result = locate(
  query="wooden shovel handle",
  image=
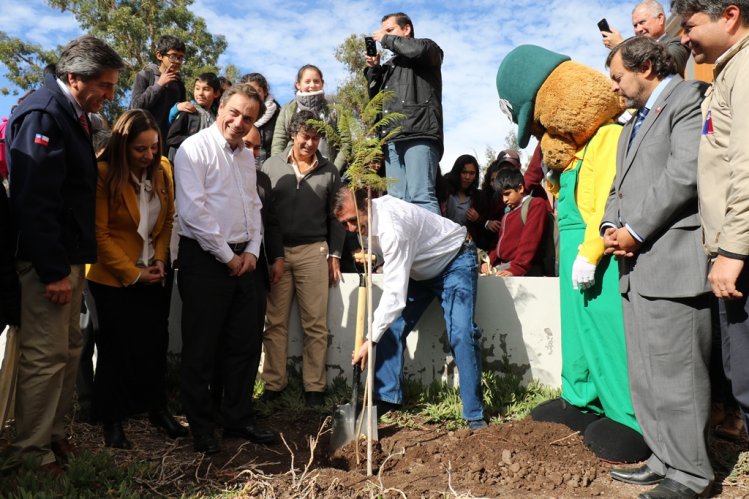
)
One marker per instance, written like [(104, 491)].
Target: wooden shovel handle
[(360, 312)]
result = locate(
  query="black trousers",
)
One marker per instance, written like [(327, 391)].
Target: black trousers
[(220, 339), (131, 342), (262, 282)]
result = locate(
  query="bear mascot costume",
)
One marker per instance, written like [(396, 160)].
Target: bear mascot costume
[(572, 110)]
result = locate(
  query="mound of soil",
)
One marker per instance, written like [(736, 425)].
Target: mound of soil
[(517, 459)]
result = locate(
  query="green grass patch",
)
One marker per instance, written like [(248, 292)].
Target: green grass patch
[(88, 476), (505, 397)]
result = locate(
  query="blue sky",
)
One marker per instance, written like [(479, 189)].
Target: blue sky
[(276, 38)]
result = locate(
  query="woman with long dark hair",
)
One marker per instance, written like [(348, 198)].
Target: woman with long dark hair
[(134, 213)]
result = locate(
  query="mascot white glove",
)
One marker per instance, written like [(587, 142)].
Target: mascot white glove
[(583, 273)]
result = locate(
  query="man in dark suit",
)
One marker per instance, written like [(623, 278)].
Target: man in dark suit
[(651, 224), (52, 198)]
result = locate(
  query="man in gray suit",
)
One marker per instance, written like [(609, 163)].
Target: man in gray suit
[(651, 224)]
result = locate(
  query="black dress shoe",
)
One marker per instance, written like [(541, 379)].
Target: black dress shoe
[(669, 489), (314, 399), (114, 436), (269, 396), (636, 476), (205, 442), (252, 433), (162, 419)]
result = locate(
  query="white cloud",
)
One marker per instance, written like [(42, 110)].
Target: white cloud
[(34, 22)]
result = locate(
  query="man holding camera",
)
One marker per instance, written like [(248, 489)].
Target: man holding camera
[(414, 74)]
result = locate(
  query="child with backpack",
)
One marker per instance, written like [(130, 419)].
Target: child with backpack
[(205, 92), (521, 249)]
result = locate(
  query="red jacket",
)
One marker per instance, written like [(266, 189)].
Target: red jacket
[(518, 242)]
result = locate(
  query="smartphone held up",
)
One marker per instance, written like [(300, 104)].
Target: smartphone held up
[(603, 26), (370, 45)]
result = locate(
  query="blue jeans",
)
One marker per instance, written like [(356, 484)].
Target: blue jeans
[(456, 289), (414, 164)]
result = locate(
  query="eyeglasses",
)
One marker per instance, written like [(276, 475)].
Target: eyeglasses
[(176, 58)]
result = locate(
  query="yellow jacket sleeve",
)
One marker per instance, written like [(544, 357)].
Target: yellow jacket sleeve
[(596, 175)]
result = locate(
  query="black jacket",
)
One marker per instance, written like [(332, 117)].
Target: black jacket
[(266, 135), (53, 183), (414, 74), (185, 125), (272, 245), (155, 98)]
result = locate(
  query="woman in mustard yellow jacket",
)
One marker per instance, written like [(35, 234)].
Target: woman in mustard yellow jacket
[(134, 214)]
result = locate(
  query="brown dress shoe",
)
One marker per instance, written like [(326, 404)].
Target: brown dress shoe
[(52, 469), (64, 450)]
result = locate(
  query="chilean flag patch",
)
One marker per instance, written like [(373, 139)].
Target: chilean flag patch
[(707, 127), (41, 139)]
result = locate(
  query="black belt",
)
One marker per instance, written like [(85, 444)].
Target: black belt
[(238, 248)]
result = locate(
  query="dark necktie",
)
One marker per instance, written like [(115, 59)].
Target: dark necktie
[(641, 115), (84, 123)]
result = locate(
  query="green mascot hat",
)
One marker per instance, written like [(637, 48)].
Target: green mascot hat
[(520, 76)]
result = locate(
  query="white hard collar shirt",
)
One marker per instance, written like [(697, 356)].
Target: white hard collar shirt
[(414, 243), (217, 199)]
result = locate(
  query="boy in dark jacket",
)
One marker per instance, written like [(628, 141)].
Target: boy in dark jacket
[(206, 91), (518, 249), (158, 87)]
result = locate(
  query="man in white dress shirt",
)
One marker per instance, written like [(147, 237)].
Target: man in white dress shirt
[(220, 235), (426, 256)]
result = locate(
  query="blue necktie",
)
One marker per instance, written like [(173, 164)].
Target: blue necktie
[(641, 115)]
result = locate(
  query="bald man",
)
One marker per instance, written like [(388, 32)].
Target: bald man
[(649, 19)]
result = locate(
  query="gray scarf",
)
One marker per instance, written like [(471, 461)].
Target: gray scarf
[(312, 101)]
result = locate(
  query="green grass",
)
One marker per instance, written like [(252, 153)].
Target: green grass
[(88, 476), (291, 401), (505, 397)]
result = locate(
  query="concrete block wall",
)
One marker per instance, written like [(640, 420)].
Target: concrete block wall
[(519, 318)]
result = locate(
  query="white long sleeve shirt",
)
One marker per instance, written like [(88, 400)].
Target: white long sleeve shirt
[(217, 199), (414, 243)]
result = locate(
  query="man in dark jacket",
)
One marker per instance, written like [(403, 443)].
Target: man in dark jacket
[(159, 87), (414, 75), (52, 199), (304, 183)]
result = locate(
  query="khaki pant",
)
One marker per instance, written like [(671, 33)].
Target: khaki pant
[(306, 274), (50, 345)]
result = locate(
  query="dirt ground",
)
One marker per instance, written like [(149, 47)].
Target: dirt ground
[(514, 459)]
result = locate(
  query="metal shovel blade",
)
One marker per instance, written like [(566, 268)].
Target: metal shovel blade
[(345, 424), (345, 416)]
